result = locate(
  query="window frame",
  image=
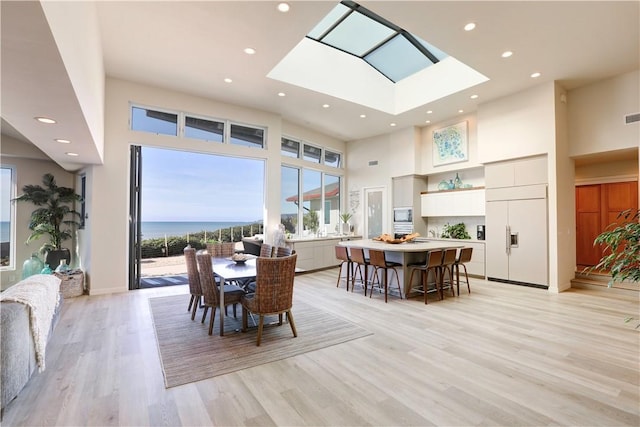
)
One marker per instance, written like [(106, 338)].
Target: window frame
[(225, 126), (12, 217), (264, 130), (179, 119)]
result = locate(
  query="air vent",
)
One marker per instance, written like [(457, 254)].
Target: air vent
[(373, 162), (632, 118)]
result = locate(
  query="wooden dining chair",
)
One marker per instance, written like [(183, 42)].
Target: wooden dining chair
[(195, 288), (378, 261), (342, 255), (361, 262), (433, 264), (463, 257), (211, 291), (448, 260), (274, 292)]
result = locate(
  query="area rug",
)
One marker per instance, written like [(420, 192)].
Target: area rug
[(189, 354)]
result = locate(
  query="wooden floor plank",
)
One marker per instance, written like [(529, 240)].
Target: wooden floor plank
[(502, 355)]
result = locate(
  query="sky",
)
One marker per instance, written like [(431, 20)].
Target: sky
[(184, 186), (5, 190)]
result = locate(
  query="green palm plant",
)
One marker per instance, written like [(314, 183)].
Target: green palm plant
[(54, 216)]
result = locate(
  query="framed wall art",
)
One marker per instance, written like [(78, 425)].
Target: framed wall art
[(450, 144)]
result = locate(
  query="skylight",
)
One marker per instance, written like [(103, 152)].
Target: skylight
[(355, 55), (388, 48)]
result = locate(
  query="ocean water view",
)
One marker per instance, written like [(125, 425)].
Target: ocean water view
[(5, 231), (158, 229)]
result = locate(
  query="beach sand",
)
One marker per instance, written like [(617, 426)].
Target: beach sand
[(163, 266)]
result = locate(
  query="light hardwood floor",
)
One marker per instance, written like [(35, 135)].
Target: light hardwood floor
[(503, 355)]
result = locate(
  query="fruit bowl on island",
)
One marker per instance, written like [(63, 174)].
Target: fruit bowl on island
[(388, 238)]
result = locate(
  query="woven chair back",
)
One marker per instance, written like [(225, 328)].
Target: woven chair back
[(228, 249), (266, 250), (274, 284), (192, 271), (214, 249), (282, 251), (207, 279), (341, 253)]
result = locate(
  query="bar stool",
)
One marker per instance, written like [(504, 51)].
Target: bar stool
[(433, 263), (343, 255), (463, 257), (379, 262), (360, 261), (448, 259)]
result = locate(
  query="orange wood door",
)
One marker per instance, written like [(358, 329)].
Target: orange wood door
[(597, 208), (588, 223)]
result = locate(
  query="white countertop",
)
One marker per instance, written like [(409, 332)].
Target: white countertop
[(316, 239), (403, 247)]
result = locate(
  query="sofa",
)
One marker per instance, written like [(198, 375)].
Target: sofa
[(29, 312)]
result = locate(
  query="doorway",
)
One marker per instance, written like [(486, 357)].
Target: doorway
[(598, 207), (375, 209), (180, 198)]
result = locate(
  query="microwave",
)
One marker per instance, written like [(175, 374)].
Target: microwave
[(403, 215)]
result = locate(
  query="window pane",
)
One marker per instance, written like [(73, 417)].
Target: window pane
[(207, 130), (312, 201), (7, 248), (326, 23), (358, 34), (290, 148), (247, 136), (154, 121), (83, 203), (331, 158), (398, 59), (289, 196), (332, 203), (312, 154)]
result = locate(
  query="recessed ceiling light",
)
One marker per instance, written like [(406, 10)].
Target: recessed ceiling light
[(460, 111), (283, 7), (72, 154), (429, 112), (228, 80), (362, 116), (46, 120), (249, 51), (428, 121), (470, 26), (392, 124), (282, 94), (507, 54), (474, 96), (535, 75), (325, 105), (63, 141)]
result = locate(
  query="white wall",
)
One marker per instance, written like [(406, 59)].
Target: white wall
[(518, 125), (31, 164), (82, 56), (596, 115), (109, 182), (426, 138)]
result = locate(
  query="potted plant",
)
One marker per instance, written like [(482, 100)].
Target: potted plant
[(622, 250), (345, 217), (54, 217), (456, 231)]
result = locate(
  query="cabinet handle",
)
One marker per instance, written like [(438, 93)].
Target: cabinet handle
[(508, 240)]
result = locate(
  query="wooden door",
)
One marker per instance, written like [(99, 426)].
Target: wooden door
[(597, 208)]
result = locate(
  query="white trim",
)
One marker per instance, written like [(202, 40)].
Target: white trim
[(12, 218), (606, 180)]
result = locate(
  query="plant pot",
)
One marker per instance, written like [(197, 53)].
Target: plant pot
[(53, 257), (346, 228)]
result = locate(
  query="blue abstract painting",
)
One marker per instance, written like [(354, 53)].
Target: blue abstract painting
[(450, 144)]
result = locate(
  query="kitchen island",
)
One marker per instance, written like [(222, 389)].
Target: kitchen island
[(403, 253)]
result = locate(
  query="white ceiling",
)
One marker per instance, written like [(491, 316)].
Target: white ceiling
[(192, 46)]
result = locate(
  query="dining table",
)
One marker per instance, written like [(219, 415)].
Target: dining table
[(404, 253), (229, 270)]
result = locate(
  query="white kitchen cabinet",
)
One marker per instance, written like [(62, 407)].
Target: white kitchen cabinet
[(315, 254), (521, 172), (453, 203)]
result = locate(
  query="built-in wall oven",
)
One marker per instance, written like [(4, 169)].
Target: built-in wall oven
[(402, 221)]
